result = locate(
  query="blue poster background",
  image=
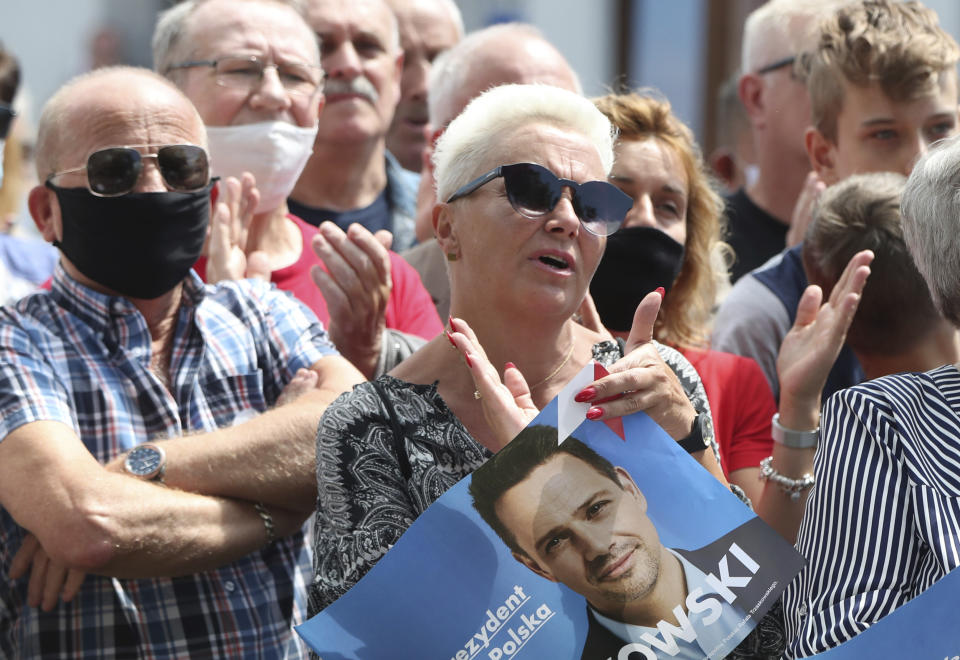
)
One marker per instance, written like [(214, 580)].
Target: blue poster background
[(433, 590)]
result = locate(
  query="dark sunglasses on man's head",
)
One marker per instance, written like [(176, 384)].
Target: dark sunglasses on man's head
[(114, 171), (6, 117), (534, 191)]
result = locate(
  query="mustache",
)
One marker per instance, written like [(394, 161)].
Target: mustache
[(360, 85)]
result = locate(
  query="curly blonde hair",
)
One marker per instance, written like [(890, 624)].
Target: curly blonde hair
[(685, 316), (898, 45)]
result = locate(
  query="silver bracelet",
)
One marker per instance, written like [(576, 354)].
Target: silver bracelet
[(791, 487), (267, 522), (791, 438)]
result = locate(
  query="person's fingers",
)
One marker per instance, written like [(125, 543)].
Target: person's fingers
[(517, 385), (384, 237), (359, 256), (461, 326), (332, 293), (339, 270), (808, 306), (641, 332), (369, 246), (852, 278), (24, 558), (38, 573), (53, 585), (230, 196), (72, 585)]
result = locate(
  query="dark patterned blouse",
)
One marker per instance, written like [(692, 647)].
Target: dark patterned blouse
[(389, 449)]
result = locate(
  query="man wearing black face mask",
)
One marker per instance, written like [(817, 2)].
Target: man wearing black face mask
[(136, 436)]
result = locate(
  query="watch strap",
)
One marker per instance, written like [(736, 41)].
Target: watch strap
[(699, 438)]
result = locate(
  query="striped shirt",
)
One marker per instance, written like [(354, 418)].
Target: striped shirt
[(83, 358), (883, 522)]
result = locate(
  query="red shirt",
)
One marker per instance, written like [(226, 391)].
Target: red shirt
[(741, 403), (410, 308)]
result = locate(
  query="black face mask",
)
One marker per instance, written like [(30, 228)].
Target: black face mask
[(140, 245), (637, 261)]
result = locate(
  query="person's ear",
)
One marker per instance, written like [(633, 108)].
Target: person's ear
[(44, 209), (750, 91), (533, 566), (822, 153), (445, 232), (630, 486)]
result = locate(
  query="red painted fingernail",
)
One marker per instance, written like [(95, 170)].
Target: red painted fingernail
[(509, 365), (586, 394), (467, 358), (450, 337), (661, 291), (452, 326), (595, 413)]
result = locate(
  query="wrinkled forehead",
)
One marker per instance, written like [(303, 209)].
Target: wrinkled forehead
[(254, 27), (335, 19), (135, 115)]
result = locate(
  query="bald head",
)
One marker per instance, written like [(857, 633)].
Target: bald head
[(112, 106), (497, 55)]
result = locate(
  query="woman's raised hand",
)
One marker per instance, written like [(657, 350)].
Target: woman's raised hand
[(641, 380), (811, 347), (507, 404)]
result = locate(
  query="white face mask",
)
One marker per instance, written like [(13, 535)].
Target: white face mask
[(275, 152)]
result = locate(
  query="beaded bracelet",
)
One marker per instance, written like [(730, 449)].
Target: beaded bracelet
[(267, 522), (791, 487)]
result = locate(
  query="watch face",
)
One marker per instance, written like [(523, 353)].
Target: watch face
[(144, 461)]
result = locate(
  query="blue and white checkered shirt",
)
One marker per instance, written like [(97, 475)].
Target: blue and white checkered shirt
[(83, 358)]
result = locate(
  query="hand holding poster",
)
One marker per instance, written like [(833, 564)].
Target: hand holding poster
[(612, 543)]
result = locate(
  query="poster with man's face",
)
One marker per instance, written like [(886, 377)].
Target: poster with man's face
[(607, 542)]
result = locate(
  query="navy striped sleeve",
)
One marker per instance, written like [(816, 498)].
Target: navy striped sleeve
[(883, 522)]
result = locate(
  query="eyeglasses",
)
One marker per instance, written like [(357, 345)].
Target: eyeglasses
[(6, 117), (246, 73), (114, 171), (534, 191), (778, 64)]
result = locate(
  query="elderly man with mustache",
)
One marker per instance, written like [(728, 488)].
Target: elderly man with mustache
[(351, 178)]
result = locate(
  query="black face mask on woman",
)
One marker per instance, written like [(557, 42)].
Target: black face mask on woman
[(636, 261), (140, 245)]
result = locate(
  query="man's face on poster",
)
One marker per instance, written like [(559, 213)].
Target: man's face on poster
[(580, 528)]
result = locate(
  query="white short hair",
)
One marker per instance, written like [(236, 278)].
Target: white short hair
[(451, 68), (780, 28), (477, 131), (171, 27), (931, 224)]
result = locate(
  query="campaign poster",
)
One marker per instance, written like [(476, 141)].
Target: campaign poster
[(579, 539)]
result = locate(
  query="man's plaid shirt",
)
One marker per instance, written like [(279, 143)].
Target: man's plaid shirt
[(83, 358)]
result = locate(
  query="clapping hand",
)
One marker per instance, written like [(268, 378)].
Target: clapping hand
[(356, 287), (227, 257), (507, 404)]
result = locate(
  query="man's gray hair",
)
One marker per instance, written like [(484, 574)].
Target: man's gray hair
[(172, 26), (450, 70), (780, 28), (477, 132), (931, 224)]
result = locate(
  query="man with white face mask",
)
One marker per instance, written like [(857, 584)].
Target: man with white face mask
[(252, 69)]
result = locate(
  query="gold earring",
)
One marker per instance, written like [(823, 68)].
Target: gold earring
[(452, 256)]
